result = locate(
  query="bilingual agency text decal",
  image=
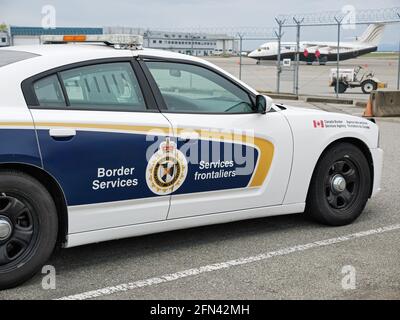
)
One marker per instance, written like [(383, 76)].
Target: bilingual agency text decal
[(167, 169), (342, 124)]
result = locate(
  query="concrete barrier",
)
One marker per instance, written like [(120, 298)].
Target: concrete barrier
[(329, 100), (385, 103), (283, 96), (360, 104)]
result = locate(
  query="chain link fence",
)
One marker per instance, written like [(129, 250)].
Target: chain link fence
[(292, 73), (295, 67)]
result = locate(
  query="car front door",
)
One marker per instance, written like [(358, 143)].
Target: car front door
[(95, 123), (228, 157)]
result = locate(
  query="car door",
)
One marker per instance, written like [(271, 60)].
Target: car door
[(95, 123), (228, 156)]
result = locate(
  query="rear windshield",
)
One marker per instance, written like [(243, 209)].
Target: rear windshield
[(10, 56)]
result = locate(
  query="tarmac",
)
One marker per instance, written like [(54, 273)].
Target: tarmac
[(300, 259), (313, 79)]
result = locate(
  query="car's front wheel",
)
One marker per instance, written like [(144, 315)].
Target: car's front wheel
[(340, 185), (28, 227)]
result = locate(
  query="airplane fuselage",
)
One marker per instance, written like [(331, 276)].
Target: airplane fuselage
[(311, 52)]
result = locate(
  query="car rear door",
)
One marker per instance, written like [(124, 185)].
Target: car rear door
[(95, 123), (228, 157)]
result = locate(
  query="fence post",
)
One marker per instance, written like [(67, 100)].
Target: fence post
[(296, 71), (339, 24), (278, 63), (148, 38), (191, 44), (240, 55), (398, 65)]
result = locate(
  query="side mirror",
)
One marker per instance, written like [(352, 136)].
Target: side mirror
[(263, 104)]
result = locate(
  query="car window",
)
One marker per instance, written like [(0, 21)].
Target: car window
[(106, 86), (49, 93), (190, 88)]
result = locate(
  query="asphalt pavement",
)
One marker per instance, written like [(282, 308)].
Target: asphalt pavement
[(270, 258)]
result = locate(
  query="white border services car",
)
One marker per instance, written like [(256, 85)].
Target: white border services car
[(106, 140)]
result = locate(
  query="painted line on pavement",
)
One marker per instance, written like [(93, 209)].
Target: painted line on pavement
[(224, 265)]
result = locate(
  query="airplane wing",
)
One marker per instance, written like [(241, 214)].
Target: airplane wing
[(325, 48)]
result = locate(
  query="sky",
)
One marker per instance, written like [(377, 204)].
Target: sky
[(173, 14)]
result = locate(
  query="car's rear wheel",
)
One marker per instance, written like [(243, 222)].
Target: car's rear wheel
[(28, 227), (340, 186)]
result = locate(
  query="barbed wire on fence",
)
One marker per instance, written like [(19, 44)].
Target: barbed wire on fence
[(340, 18), (248, 32), (383, 15), (245, 31)]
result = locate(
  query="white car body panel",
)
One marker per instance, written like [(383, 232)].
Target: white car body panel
[(306, 154), (377, 158), (272, 127), (176, 224), (111, 214), (297, 148)]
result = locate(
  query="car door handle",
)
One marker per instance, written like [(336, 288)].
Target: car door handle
[(62, 133)]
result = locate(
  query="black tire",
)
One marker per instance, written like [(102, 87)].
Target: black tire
[(328, 205), (342, 87), (368, 86), (29, 209)]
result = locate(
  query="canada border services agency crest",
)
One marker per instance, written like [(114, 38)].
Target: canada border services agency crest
[(167, 169)]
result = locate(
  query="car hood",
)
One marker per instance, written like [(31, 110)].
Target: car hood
[(291, 109)]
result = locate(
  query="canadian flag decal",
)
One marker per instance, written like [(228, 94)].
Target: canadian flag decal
[(319, 123)]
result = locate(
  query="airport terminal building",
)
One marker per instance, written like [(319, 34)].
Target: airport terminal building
[(31, 35), (193, 44), (197, 44)]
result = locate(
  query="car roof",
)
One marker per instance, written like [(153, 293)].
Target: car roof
[(84, 49), (50, 56)]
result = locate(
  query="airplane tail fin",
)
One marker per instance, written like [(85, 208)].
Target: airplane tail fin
[(373, 34)]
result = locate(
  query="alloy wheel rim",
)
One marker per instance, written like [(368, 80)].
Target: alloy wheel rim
[(17, 229), (342, 183)]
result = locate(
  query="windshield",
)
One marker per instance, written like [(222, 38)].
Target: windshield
[(11, 56)]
